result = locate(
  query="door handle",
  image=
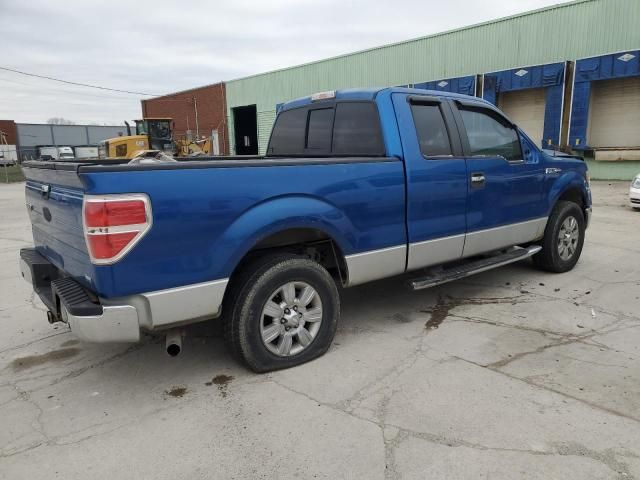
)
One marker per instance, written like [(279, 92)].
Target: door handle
[(477, 179)]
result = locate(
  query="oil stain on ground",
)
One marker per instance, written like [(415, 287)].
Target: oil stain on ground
[(24, 363), (446, 303), (176, 392), (439, 312), (222, 381), (70, 343)]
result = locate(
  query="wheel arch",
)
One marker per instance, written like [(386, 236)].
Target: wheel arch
[(570, 187), (296, 224), (316, 243)]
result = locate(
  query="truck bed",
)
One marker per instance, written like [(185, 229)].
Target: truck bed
[(202, 221)]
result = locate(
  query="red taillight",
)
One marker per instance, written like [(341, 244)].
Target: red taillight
[(113, 224), (114, 213), (106, 246)]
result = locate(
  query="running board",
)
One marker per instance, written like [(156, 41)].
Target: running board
[(515, 254)]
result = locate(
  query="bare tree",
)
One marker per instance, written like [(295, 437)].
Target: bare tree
[(60, 121)]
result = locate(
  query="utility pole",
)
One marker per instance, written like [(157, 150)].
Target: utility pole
[(195, 108)]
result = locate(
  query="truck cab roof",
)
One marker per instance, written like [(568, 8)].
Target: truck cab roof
[(369, 94)]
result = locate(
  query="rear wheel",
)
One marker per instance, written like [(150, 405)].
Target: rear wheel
[(563, 238), (282, 311)]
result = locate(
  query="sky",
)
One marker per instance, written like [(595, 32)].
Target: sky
[(156, 47)]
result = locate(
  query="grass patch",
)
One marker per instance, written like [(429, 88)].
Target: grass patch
[(11, 174)]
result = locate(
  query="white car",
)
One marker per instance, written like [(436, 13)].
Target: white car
[(634, 193)]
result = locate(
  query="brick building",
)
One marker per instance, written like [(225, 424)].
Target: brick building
[(10, 130), (201, 111)]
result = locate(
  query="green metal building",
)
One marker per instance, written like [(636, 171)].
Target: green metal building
[(538, 66)]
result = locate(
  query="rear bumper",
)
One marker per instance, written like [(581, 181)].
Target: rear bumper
[(95, 319), (587, 218)]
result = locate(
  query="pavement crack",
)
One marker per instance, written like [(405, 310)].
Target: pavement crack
[(549, 389), (32, 342)]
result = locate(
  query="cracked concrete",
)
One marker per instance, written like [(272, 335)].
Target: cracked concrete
[(514, 373)]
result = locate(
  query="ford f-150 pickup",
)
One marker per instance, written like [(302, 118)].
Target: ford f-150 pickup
[(356, 185)]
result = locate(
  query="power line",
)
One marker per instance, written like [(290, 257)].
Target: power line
[(70, 92), (76, 83)]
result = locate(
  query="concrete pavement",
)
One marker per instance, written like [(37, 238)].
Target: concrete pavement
[(513, 373)]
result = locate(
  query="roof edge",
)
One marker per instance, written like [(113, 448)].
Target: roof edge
[(433, 35)]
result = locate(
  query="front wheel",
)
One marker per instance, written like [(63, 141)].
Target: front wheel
[(282, 311), (563, 238)]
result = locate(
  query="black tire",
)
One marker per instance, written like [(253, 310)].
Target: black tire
[(549, 257), (248, 293)]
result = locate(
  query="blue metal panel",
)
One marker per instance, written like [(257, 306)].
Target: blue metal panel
[(465, 85), (552, 116), (550, 76), (587, 70), (202, 233)]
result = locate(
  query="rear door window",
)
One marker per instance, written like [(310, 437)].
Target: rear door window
[(433, 136)]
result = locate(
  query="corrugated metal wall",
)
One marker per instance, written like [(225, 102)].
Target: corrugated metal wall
[(562, 32), (31, 135)]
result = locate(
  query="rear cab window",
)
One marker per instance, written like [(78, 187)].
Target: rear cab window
[(349, 128)]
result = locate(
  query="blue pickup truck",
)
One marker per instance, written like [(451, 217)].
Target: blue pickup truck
[(356, 185)]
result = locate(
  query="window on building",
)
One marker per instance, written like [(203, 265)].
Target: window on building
[(431, 130), (491, 134)]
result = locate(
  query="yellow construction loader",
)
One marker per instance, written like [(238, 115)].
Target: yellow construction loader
[(153, 134)]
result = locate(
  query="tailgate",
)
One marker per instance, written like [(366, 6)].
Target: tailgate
[(54, 196)]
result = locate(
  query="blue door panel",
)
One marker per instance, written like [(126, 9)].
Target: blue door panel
[(511, 192), (436, 188)]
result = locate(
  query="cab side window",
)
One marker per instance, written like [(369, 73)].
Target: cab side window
[(433, 136), (490, 134)]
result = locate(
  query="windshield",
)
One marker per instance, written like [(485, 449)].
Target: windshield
[(141, 127), (159, 129)]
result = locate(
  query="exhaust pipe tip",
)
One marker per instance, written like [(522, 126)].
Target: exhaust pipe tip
[(174, 349), (173, 343)]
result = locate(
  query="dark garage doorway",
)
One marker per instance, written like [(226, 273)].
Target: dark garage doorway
[(245, 129)]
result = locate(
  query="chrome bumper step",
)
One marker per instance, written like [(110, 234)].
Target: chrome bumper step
[(472, 267)]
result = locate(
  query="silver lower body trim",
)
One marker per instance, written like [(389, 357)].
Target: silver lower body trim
[(116, 324), (123, 318), (434, 252), (192, 302), (387, 262), (483, 241), (375, 264)]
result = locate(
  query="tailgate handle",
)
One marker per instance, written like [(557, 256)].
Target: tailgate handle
[(45, 190)]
